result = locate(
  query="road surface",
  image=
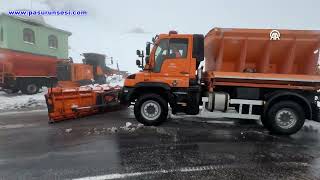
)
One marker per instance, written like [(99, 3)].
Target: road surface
[(88, 148)]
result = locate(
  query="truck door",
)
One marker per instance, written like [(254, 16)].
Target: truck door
[(171, 62)]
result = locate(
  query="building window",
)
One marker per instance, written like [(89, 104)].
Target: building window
[(53, 41), (28, 36), (1, 33)]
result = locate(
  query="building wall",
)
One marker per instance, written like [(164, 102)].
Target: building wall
[(13, 33), (3, 43)]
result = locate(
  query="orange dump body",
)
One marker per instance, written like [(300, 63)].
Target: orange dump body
[(72, 103), (20, 64), (81, 72), (251, 54)]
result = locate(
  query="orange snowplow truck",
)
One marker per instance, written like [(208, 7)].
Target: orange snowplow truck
[(267, 75)]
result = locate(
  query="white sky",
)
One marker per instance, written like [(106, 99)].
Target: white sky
[(118, 27)]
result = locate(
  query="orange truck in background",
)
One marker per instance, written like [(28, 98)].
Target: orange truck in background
[(262, 74), (26, 72), (91, 71)]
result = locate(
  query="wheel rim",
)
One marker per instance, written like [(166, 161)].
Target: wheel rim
[(32, 88), (151, 110), (286, 118)]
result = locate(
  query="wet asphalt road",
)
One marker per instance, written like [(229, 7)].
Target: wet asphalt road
[(179, 149)]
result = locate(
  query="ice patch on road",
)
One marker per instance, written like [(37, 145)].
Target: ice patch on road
[(9, 102), (128, 127), (311, 126), (15, 126)]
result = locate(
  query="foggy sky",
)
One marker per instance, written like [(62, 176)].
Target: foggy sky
[(118, 27)]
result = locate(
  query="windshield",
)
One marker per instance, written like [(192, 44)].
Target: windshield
[(160, 54)]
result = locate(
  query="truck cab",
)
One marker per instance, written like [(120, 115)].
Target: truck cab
[(173, 60), (168, 76)]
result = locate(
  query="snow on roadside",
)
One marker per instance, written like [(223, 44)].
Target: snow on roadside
[(9, 102)]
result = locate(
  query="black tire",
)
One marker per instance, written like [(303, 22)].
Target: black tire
[(284, 110), (157, 102), (30, 88)]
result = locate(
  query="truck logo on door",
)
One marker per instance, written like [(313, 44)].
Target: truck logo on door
[(275, 35)]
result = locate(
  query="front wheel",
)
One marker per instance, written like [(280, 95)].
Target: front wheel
[(151, 109), (285, 118)]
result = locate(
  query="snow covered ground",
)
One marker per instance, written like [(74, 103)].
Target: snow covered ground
[(10, 102)]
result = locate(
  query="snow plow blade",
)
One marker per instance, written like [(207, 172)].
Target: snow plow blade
[(72, 103)]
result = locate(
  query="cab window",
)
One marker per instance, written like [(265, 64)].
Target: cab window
[(161, 54), (178, 48), (170, 49)]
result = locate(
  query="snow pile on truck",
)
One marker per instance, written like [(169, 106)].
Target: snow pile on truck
[(115, 80)]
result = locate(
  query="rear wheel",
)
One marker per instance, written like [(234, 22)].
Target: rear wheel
[(285, 118), (30, 88), (151, 110)]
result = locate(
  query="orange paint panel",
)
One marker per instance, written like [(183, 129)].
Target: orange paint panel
[(27, 64), (294, 53), (81, 72), (71, 103)]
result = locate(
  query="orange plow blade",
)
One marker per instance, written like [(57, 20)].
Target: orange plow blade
[(72, 103)]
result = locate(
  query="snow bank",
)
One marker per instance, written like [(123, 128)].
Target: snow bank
[(9, 102)]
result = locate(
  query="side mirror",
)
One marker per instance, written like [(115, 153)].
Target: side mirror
[(138, 52), (154, 39), (138, 63), (147, 59), (148, 49)]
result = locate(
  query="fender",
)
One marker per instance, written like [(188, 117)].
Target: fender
[(274, 96), (153, 85), (158, 86), (130, 93)]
